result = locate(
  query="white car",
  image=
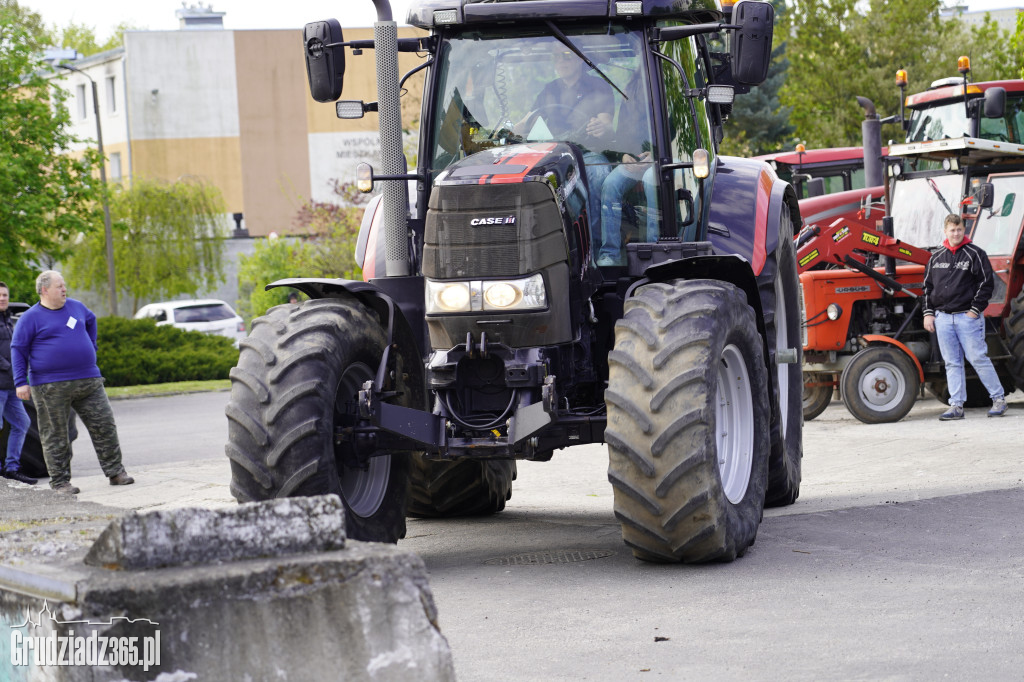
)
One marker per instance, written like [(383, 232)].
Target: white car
[(207, 315)]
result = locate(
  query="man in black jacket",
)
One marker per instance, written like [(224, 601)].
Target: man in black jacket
[(957, 285), (11, 409)]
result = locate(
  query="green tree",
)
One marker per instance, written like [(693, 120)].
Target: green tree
[(332, 230), (168, 241), (839, 49), (48, 195), (272, 259), (36, 34), (83, 38), (759, 124), (1016, 46), (991, 51), (326, 249)]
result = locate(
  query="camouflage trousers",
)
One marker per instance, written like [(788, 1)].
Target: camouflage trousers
[(54, 403)]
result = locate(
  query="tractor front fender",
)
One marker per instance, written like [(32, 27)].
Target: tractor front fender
[(878, 339), (399, 304), (730, 268), (746, 210)]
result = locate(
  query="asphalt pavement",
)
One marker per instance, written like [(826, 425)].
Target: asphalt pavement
[(902, 559)]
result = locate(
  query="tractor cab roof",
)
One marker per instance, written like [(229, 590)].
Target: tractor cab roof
[(429, 14), (943, 91)]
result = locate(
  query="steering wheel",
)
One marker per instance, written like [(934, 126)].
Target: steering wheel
[(557, 113)]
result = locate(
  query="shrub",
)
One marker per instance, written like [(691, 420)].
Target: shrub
[(134, 352)]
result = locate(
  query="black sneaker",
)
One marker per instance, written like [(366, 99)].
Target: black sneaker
[(18, 476)]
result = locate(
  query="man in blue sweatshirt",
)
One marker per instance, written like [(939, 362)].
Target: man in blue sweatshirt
[(957, 285), (54, 353)]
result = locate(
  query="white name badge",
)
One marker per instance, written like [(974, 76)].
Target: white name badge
[(72, 322)]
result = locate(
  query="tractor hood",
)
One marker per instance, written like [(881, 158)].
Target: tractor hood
[(507, 211)]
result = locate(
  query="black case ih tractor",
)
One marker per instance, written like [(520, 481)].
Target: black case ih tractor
[(964, 154), (488, 332)]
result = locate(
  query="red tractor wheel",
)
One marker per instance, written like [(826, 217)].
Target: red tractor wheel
[(880, 385)]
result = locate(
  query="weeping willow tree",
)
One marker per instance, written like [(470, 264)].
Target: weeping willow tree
[(168, 241)]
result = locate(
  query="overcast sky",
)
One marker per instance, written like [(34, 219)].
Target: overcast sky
[(158, 15)]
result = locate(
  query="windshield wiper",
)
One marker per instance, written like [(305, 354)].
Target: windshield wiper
[(564, 39), (935, 188)]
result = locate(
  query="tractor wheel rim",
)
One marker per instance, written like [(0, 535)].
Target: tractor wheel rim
[(882, 386), (363, 487), (734, 428)]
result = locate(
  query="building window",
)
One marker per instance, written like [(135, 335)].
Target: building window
[(111, 96), (80, 98), (115, 166)]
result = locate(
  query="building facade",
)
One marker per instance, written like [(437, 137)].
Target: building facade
[(231, 108)]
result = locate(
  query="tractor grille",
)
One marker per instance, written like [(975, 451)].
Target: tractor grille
[(492, 230)]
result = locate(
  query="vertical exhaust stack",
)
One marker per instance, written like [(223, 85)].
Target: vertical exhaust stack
[(395, 202), (871, 137)]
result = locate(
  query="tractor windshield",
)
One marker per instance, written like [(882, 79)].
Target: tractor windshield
[(950, 120), (920, 204), (503, 87), (998, 229)]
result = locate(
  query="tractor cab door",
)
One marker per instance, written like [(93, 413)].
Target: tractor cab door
[(688, 128), (998, 230)]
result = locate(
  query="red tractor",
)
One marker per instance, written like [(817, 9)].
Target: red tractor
[(863, 332)]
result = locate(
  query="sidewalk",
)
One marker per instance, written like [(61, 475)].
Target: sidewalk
[(40, 525)]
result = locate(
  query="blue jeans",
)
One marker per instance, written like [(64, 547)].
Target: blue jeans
[(13, 412), (597, 169), (961, 336), (620, 181)]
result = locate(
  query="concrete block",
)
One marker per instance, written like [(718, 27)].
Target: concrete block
[(189, 536), (364, 612)]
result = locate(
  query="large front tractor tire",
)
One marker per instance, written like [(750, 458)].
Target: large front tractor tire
[(294, 389), (688, 422)]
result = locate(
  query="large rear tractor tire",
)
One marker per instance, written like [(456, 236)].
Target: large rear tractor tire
[(688, 422), (465, 487), (977, 394), (1014, 326), (815, 398), (295, 387), (880, 385), (779, 285)]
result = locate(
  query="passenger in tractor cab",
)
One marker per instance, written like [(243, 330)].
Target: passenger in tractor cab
[(575, 107), (631, 147)]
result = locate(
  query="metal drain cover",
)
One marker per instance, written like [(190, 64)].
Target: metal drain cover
[(560, 556)]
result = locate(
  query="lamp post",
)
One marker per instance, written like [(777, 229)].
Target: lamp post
[(111, 282)]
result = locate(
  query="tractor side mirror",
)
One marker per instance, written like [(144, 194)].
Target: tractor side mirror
[(816, 187), (752, 42), (986, 195), (325, 59), (995, 102)]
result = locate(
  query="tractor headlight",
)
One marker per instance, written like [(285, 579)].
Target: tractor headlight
[(454, 297), (507, 294), (501, 295), (833, 311)]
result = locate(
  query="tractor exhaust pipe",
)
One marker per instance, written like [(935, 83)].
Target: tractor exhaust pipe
[(871, 139), (395, 202)]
